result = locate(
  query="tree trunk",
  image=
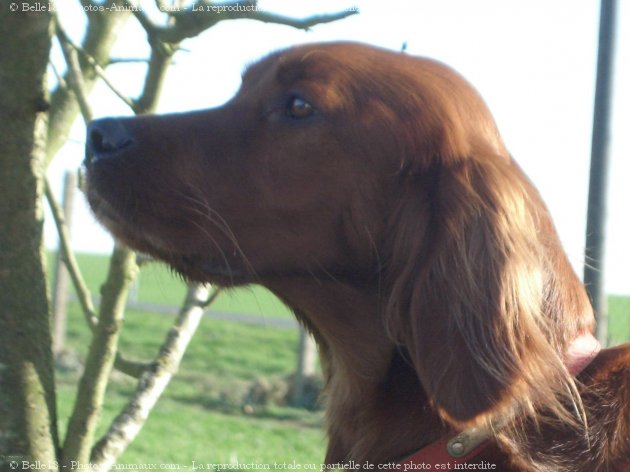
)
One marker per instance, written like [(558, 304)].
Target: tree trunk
[(28, 426)]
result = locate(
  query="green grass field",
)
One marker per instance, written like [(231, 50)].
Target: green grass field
[(200, 417), (618, 319)]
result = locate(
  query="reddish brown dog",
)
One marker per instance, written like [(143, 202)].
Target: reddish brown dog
[(371, 191)]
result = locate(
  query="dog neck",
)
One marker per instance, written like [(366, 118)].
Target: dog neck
[(343, 318), (369, 380)]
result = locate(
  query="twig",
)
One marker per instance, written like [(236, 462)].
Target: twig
[(58, 76), (299, 23), (100, 72), (153, 381), (143, 259), (82, 291), (161, 56), (211, 298), (143, 19), (133, 369), (75, 76), (127, 60)]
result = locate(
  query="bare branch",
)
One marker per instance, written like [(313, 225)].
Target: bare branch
[(83, 293), (127, 60), (190, 22), (300, 23), (100, 72), (153, 381), (143, 259), (131, 368), (200, 16), (211, 298), (100, 359), (75, 76), (161, 56), (136, 369), (143, 19)]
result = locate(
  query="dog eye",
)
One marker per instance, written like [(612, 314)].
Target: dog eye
[(299, 108)]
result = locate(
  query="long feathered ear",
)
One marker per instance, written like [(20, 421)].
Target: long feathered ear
[(478, 291)]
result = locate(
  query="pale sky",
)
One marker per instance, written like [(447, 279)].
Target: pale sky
[(533, 62)]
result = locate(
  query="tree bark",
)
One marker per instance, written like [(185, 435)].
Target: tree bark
[(28, 425)]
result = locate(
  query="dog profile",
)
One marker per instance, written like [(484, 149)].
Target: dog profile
[(372, 193)]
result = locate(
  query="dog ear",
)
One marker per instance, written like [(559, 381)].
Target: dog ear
[(476, 301)]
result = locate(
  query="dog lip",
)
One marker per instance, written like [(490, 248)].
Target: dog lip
[(208, 267)]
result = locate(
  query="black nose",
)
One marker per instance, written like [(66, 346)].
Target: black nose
[(106, 138)]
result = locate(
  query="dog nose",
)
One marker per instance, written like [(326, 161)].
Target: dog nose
[(106, 138)]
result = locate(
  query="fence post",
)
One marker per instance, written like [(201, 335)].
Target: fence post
[(597, 203), (61, 281), (307, 357)]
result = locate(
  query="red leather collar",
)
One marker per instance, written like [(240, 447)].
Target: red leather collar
[(460, 448), (436, 456)]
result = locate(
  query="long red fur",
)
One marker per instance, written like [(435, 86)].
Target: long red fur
[(371, 191)]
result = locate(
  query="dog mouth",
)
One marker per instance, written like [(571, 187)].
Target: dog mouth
[(193, 264), (202, 268)]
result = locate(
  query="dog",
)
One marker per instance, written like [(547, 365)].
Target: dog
[(372, 193)]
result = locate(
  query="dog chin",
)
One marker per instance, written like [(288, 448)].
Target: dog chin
[(192, 267), (201, 269)]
